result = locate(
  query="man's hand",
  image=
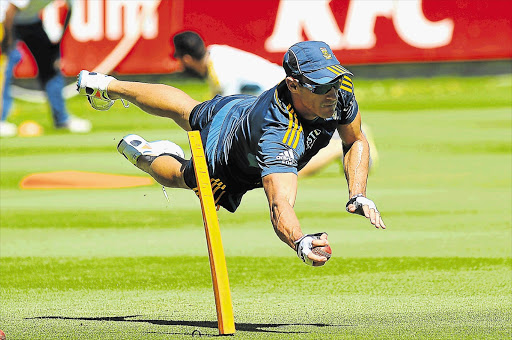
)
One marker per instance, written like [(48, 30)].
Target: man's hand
[(304, 247), (363, 206)]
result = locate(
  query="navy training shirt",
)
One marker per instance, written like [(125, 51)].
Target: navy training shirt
[(247, 137)]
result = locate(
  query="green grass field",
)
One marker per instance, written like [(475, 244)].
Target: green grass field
[(127, 264)]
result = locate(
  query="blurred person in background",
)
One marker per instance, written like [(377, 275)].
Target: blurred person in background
[(333, 152), (255, 142), (228, 70), (232, 71), (22, 22)]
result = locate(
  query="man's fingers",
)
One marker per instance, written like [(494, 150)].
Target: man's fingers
[(322, 241), (378, 222), (317, 258), (366, 210), (374, 217), (382, 225)]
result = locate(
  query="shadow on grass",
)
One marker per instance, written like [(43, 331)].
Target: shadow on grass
[(246, 327)]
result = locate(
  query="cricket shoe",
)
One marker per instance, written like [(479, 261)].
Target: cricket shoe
[(134, 146), (94, 85), (76, 125)]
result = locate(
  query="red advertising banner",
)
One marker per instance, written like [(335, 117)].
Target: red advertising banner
[(133, 36)]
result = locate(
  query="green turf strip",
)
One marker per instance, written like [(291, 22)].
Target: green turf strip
[(445, 298), (191, 272), (150, 314)]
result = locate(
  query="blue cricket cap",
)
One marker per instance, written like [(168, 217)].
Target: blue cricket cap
[(314, 60)]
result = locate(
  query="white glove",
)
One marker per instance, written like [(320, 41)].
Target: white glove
[(359, 200), (304, 246), (94, 85)]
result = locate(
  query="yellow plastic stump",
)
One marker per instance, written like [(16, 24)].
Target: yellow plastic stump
[(225, 319)]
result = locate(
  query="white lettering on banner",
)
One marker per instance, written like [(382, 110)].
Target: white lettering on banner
[(316, 20), (51, 24), (408, 20), (133, 9), (92, 28), (117, 24), (416, 30)]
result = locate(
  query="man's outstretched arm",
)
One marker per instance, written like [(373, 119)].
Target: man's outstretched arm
[(356, 163), (156, 99), (281, 191)]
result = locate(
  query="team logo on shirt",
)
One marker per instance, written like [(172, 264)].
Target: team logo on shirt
[(312, 137), (287, 157)]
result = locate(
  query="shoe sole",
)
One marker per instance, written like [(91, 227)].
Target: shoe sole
[(79, 87), (123, 145)]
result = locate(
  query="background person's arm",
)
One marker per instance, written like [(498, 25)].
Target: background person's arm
[(330, 153), (8, 24)]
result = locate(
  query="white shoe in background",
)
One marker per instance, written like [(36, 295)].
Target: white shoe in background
[(8, 129), (77, 125)]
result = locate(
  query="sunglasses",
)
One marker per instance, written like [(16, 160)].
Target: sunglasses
[(321, 89)]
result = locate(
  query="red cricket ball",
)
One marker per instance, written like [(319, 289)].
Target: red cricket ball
[(322, 251)]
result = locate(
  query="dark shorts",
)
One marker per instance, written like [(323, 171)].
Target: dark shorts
[(225, 193), (44, 51)]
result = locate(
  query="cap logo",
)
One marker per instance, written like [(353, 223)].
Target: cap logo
[(325, 53)]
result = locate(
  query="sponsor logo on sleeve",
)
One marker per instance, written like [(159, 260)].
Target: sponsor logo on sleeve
[(287, 157)]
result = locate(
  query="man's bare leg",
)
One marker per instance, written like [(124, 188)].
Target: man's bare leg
[(166, 170), (164, 101)]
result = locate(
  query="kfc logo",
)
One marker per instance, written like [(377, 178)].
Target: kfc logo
[(317, 21)]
